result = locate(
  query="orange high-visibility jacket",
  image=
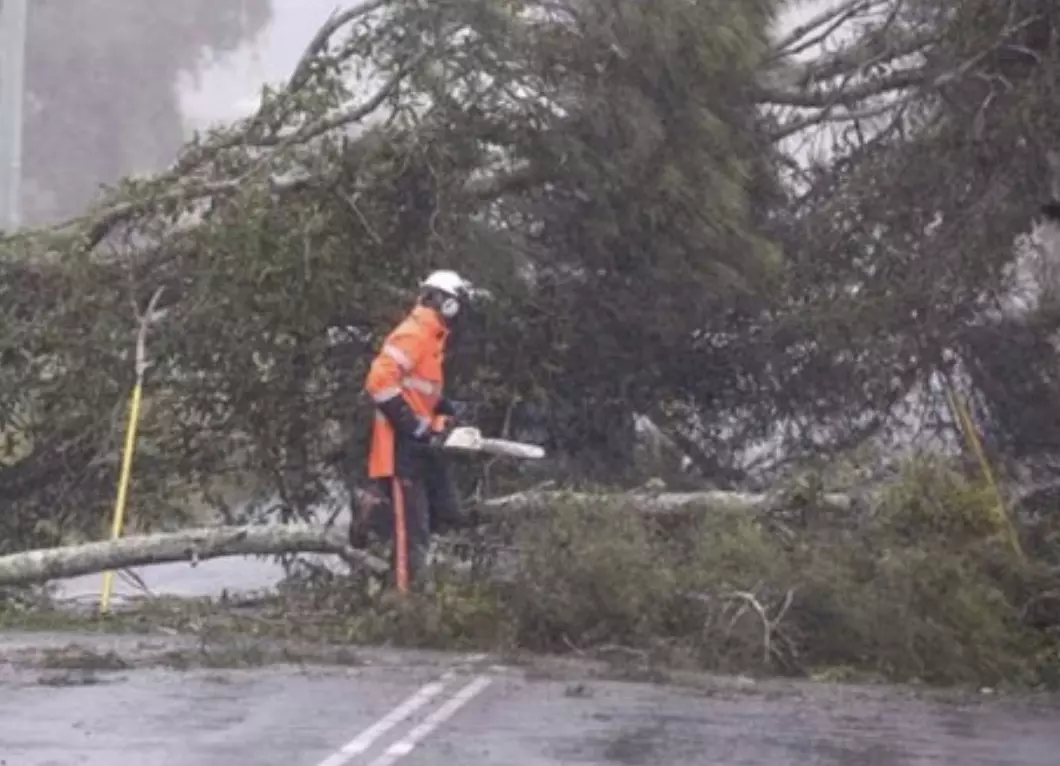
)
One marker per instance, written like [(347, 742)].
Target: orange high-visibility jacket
[(410, 364)]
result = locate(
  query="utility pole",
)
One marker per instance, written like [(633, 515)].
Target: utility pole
[(12, 99)]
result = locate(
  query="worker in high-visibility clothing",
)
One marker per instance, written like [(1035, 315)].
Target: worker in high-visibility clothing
[(413, 418)]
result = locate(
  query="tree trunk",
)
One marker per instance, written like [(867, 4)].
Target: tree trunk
[(188, 545), (666, 502)]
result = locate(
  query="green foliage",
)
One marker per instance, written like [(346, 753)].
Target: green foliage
[(890, 597), (934, 501), (589, 574), (451, 616)]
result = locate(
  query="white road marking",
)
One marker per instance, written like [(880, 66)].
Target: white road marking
[(408, 743), (364, 740), (421, 697)]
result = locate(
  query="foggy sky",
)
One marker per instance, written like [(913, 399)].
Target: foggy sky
[(229, 90)]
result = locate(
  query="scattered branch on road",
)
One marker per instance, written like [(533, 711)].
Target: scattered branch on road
[(749, 601), (735, 604), (189, 545)]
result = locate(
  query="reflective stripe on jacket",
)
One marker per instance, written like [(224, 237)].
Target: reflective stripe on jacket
[(410, 364)]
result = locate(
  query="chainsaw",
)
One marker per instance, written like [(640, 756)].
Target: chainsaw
[(470, 439)]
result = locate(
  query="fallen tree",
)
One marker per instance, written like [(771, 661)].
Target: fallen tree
[(924, 587), (190, 545)]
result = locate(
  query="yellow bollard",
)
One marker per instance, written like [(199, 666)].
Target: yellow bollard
[(123, 489), (964, 417), (118, 521)]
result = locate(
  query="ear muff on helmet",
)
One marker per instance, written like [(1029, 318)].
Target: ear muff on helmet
[(445, 304), (449, 307)]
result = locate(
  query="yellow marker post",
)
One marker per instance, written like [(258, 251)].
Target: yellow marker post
[(118, 520), (964, 417)]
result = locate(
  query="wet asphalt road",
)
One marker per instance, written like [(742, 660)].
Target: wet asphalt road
[(420, 709), (424, 709)]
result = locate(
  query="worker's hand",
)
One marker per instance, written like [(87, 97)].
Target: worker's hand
[(445, 406), (441, 427), (436, 439), (454, 408)]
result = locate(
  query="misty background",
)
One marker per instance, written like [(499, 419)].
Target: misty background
[(114, 87)]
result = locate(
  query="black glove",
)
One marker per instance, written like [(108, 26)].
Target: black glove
[(437, 438), (403, 419), (459, 409)]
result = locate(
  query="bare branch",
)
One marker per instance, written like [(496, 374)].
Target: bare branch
[(749, 600), (188, 545), (830, 116), (858, 58), (303, 69), (831, 17), (843, 97), (102, 223), (790, 88)]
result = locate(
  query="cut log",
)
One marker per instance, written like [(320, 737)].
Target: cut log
[(664, 502), (45, 564)]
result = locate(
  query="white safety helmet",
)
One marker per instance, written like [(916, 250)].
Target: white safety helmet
[(455, 291)]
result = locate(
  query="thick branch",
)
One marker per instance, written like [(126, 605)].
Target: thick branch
[(349, 114), (189, 545), (790, 87), (847, 96), (492, 186), (663, 503), (102, 223), (303, 69), (253, 132), (830, 116), (857, 58), (831, 18), (252, 135)]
